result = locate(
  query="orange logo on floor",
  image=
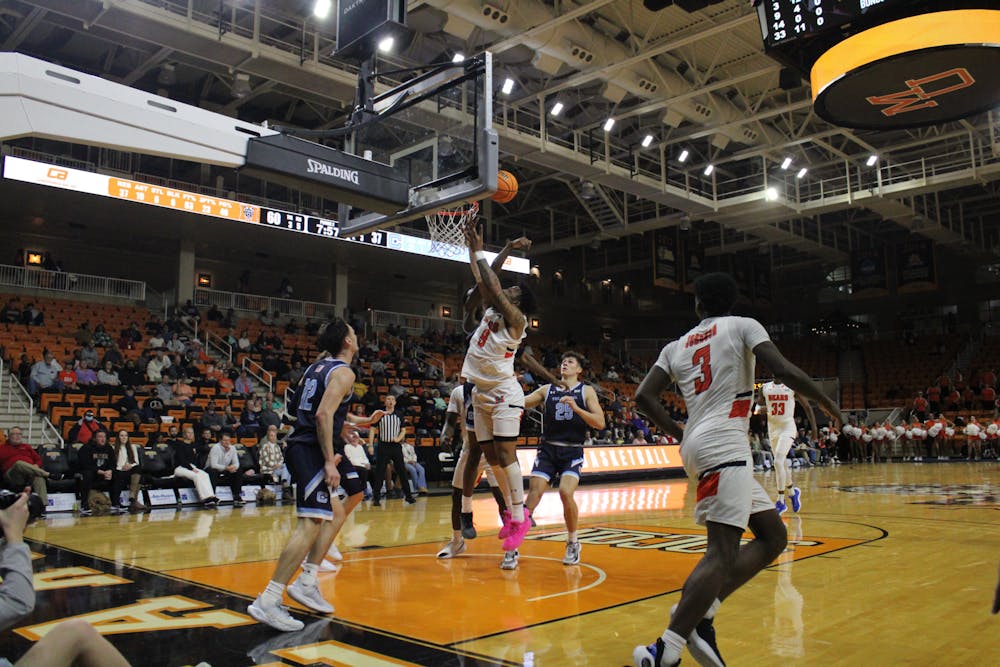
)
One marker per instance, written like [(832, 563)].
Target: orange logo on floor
[(389, 589)]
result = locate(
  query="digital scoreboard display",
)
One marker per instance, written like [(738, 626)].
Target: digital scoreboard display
[(783, 21)]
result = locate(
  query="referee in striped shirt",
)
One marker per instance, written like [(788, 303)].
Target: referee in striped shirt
[(391, 434)]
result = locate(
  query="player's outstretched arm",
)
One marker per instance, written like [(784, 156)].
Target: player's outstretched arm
[(537, 397), (527, 359), (489, 284), (473, 298), (591, 413), (647, 400), (811, 415), (793, 376)]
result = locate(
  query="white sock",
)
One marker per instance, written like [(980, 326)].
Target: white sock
[(571, 537), (673, 646), (710, 614), (308, 576), (516, 482), (466, 504), (273, 594)]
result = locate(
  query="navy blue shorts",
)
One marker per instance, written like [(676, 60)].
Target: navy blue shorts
[(312, 495), (553, 461)]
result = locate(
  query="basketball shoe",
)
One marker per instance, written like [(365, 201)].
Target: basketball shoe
[(572, 556), (649, 656), (509, 561), (796, 498), (505, 529), (310, 596), (276, 616), (452, 549), (518, 531), (701, 643), (468, 527), (781, 507)]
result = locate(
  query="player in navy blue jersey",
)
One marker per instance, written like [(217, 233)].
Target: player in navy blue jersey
[(568, 414), (317, 465)]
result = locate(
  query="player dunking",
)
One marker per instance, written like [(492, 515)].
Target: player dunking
[(317, 465), (567, 416), (713, 365), (779, 401), (498, 400)]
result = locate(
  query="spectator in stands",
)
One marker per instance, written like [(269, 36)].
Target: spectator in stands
[(158, 340), (44, 374), (156, 366), (250, 420), (96, 464), (85, 375), (11, 313), (22, 466), (188, 466), (920, 406), (67, 376), (243, 342), (639, 439), (224, 466), (355, 452), (175, 345), (272, 458), (183, 391), (214, 314), (24, 370), (108, 376), (268, 417), (265, 319), (153, 409), (987, 397), (212, 419), (85, 429), (414, 468), (89, 354), (230, 338), (229, 420), (164, 391), (128, 407), (271, 401), (295, 374), (101, 337), (32, 315), (83, 335), (189, 315), (244, 384), (127, 473), (291, 327)]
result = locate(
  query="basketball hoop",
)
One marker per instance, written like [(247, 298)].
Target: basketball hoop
[(447, 228)]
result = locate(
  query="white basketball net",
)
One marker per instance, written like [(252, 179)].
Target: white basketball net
[(447, 228)]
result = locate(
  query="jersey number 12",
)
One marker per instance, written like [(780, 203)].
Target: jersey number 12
[(308, 390)]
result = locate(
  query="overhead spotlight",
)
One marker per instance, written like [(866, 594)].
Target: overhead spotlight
[(786, 163), (241, 85), (709, 169), (167, 75), (802, 172), (685, 223), (608, 124), (683, 156), (385, 46), (771, 194), (458, 57), (872, 159), (648, 141), (588, 190), (322, 8), (508, 86), (557, 109)]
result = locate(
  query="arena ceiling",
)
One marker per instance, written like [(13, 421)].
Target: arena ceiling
[(696, 81)]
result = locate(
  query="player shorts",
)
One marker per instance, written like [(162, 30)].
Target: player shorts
[(312, 496), (463, 460), (729, 494), (498, 410), (782, 442), (553, 461)]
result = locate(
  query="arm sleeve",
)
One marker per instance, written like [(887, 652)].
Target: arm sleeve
[(17, 593), (753, 333), (663, 361)]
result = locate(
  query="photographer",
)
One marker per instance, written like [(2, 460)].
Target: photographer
[(71, 643)]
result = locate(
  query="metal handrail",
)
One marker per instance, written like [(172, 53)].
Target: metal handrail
[(254, 303), (256, 370), (222, 347), (77, 283), (10, 395)]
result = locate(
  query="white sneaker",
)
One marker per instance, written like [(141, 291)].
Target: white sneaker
[(328, 566), (333, 553), (310, 596), (452, 549), (509, 560), (572, 556), (276, 616)]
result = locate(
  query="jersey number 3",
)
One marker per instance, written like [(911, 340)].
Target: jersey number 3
[(703, 357), (482, 337)]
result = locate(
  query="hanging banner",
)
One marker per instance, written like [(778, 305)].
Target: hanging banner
[(666, 271), (869, 273), (915, 270)]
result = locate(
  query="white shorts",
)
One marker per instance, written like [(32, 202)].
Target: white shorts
[(730, 496), (782, 443), (463, 460), (498, 410)]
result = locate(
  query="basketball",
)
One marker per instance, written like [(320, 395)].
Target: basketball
[(506, 187)]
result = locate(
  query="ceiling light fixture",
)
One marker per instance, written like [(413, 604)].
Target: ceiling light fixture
[(786, 163), (608, 124), (802, 172), (647, 141), (709, 169), (458, 57), (385, 46), (557, 108), (322, 8), (872, 159), (508, 86), (683, 156), (771, 194)]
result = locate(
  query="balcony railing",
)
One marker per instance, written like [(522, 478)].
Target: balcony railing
[(31, 278), (254, 303)]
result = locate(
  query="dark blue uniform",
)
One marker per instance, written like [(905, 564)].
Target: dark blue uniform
[(304, 456), (563, 433)]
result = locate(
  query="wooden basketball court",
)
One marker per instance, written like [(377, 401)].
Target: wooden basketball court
[(890, 564)]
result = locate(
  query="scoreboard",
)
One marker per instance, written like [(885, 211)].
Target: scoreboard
[(786, 20)]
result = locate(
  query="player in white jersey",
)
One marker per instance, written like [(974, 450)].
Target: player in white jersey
[(459, 424), (779, 401), (498, 399), (713, 365)]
